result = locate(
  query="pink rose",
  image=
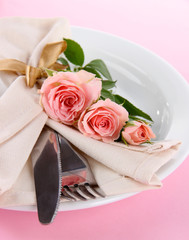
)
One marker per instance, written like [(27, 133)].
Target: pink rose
[(138, 133), (66, 95), (103, 120)]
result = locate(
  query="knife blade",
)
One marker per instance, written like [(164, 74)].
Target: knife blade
[(46, 161)]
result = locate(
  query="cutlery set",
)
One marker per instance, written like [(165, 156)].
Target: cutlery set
[(60, 172)]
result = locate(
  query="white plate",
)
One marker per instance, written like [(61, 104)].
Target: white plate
[(150, 83)]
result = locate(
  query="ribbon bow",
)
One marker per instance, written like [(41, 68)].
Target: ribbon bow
[(48, 58)]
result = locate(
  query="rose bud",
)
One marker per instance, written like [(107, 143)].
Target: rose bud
[(137, 132)]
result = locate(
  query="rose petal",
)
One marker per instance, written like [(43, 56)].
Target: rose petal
[(84, 76)]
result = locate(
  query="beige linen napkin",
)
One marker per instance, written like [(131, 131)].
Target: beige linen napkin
[(21, 117), (116, 167)]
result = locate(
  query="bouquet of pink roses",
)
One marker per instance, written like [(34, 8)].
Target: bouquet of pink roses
[(79, 96)]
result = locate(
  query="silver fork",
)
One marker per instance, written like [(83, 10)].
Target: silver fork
[(78, 182)]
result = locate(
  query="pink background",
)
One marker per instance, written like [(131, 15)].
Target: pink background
[(163, 27)]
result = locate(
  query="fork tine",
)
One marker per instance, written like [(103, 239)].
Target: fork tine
[(92, 190), (73, 194), (86, 192), (81, 192), (68, 197)]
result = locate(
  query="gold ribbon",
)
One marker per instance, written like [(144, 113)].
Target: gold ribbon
[(48, 58)]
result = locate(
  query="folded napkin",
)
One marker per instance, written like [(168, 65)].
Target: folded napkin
[(117, 168)]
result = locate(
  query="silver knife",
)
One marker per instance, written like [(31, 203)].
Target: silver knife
[(46, 161)]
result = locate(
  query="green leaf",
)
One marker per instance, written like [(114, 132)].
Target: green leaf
[(92, 70), (49, 72), (131, 108), (130, 124), (100, 66), (63, 61), (74, 53), (107, 94), (107, 84), (77, 69), (149, 142), (138, 119)]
